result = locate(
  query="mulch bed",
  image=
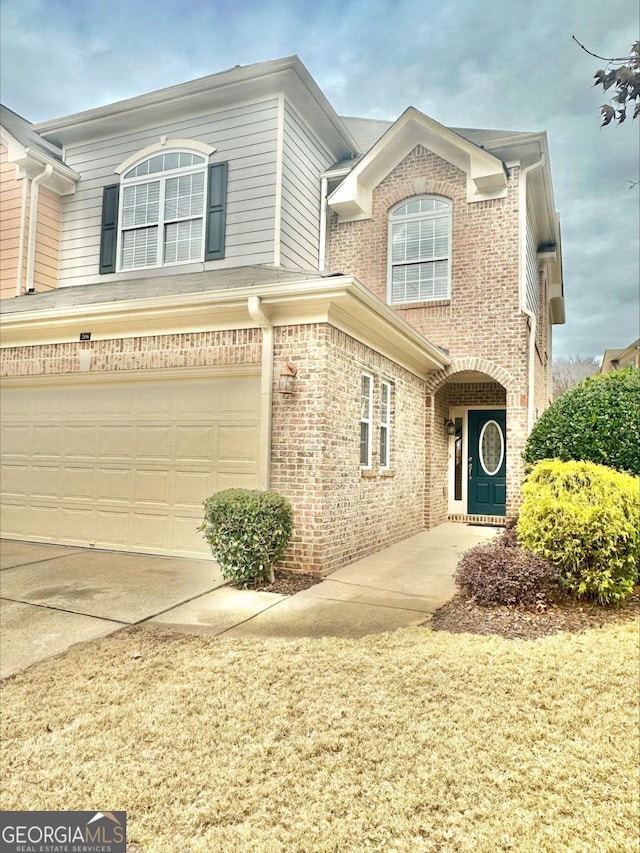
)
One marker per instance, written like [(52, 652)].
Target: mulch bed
[(463, 615), (287, 583)]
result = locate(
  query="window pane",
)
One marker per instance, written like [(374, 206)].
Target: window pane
[(366, 397), (184, 196), (140, 204), (384, 436), (171, 161), (364, 444), (183, 241), (156, 164), (139, 248)]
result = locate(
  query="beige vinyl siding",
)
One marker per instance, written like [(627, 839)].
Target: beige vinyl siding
[(244, 136), (10, 200), (303, 161), (47, 240)]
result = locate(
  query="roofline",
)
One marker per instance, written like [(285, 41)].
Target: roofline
[(342, 301), (210, 83)]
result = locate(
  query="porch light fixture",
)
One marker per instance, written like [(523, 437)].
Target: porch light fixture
[(287, 377), (450, 426)]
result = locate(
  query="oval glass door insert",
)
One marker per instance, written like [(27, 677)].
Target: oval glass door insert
[(491, 447)]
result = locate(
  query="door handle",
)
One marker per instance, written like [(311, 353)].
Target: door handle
[(470, 467)]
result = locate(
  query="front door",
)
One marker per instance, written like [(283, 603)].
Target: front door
[(486, 464)]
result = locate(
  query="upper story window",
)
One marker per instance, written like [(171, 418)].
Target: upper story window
[(162, 211), (420, 250), (169, 208)]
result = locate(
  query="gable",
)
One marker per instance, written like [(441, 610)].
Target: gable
[(486, 174)]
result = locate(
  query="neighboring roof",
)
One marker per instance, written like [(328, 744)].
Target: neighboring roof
[(614, 359), (33, 155), (22, 131)]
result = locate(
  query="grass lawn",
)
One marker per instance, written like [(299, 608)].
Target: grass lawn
[(411, 741)]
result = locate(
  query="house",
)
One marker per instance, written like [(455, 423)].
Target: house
[(615, 359), (253, 291)]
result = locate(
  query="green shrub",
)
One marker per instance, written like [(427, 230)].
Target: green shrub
[(498, 572), (584, 518), (248, 532), (596, 421)]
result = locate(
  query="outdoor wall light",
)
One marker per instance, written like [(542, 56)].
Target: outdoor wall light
[(287, 377), (450, 426)]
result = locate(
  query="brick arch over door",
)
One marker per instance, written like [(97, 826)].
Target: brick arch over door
[(478, 365)]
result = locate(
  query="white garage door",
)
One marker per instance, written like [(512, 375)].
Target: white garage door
[(125, 463)]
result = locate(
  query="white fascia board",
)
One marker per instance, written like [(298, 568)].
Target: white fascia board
[(29, 163), (486, 177), (250, 83), (341, 301)]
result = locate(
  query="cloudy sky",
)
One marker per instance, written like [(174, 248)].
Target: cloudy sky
[(507, 64)]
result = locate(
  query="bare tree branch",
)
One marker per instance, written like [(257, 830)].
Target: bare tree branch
[(603, 58)]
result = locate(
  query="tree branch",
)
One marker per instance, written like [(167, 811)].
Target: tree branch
[(603, 58)]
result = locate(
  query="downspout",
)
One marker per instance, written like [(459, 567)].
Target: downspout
[(33, 221), (266, 390), (322, 252), (523, 284), (23, 228)]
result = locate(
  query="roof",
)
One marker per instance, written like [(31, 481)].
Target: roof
[(22, 131), (367, 131), (613, 359), (161, 285)]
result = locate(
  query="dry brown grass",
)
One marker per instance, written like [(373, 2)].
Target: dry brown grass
[(412, 741)]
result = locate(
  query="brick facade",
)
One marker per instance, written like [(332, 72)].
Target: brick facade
[(481, 325)]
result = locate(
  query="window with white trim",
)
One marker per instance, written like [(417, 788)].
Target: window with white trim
[(385, 423), (366, 413), (419, 250), (162, 211)]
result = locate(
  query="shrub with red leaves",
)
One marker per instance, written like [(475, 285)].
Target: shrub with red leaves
[(499, 572)]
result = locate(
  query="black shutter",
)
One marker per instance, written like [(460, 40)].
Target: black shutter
[(216, 207), (109, 229)]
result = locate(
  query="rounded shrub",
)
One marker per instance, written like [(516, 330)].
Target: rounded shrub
[(596, 421), (584, 518), (499, 572), (248, 532)]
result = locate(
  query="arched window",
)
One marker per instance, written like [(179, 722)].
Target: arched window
[(162, 210), (419, 250)]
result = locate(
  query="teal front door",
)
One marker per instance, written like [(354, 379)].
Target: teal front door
[(487, 462)]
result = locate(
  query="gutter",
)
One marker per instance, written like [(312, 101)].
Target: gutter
[(33, 221), (266, 390), (523, 283)]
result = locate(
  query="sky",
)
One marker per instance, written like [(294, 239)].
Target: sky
[(506, 64)]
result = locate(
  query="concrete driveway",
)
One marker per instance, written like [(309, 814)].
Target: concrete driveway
[(52, 596)]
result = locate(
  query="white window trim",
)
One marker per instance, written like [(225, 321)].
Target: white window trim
[(367, 420), (190, 145), (409, 217), (162, 177), (385, 424)]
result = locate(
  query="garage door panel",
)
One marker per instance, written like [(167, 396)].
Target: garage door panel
[(80, 442), (78, 484), (113, 528), (192, 487), (154, 444), (115, 443), (15, 481), (237, 443), (113, 485), (195, 444), (43, 481), (15, 440), (47, 441), (125, 462), (75, 525)]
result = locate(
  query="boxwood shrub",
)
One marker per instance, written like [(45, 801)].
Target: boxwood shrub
[(248, 531), (596, 421), (584, 518)]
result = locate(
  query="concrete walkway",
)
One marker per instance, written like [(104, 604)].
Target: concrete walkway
[(52, 597)]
